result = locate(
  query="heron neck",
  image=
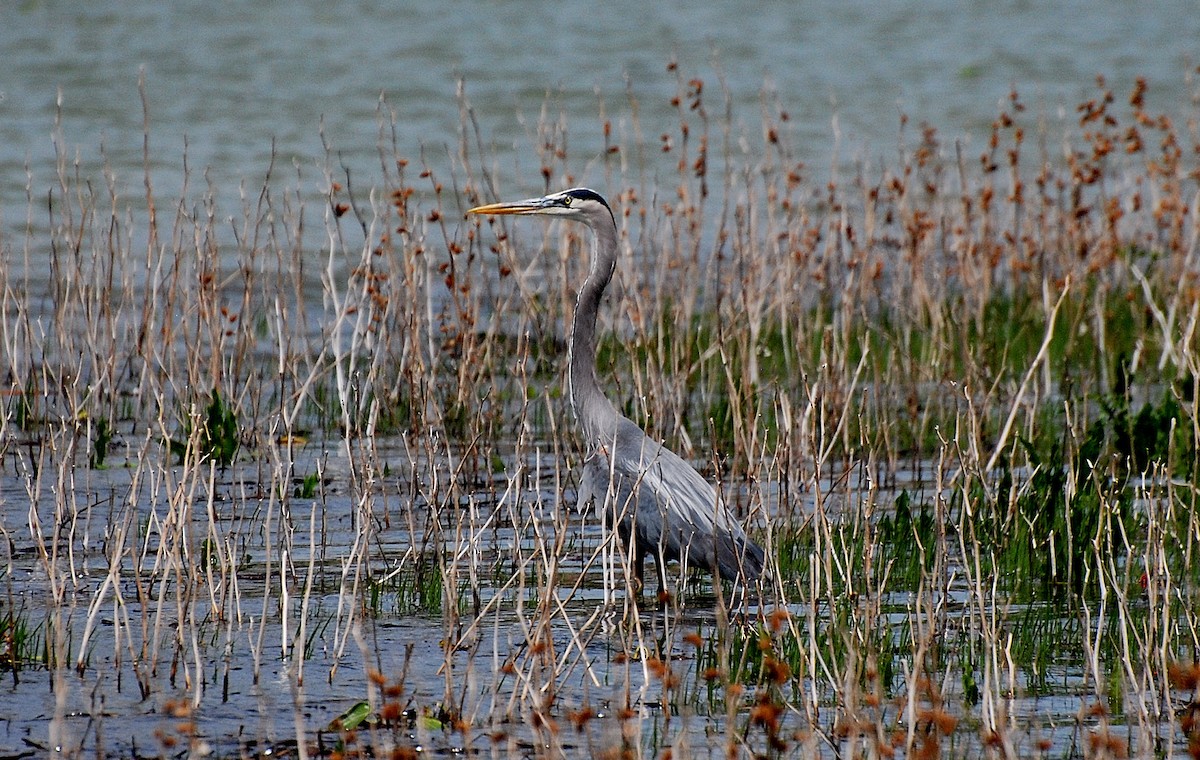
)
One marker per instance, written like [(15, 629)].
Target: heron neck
[(589, 403)]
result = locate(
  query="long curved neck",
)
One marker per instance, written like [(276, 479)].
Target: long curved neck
[(589, 403)]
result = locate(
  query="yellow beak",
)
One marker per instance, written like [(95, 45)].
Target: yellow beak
[(531, 206)]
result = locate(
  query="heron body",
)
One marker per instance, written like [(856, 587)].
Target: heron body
[(659, 504)]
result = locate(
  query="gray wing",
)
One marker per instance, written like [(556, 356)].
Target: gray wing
[(673, 509), (604, 488)]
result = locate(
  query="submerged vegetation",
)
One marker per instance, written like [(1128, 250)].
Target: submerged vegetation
[(322, 449)]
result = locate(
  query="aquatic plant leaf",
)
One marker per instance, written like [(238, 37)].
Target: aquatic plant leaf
[(351, 718)]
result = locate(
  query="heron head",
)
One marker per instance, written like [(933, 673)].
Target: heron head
[(579, 204)]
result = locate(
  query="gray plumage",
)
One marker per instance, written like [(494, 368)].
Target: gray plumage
[(659, 504)]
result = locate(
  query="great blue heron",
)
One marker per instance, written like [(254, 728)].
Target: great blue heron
[(659, 503)]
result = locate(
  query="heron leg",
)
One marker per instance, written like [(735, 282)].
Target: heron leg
[(639, 568), (637, 556)]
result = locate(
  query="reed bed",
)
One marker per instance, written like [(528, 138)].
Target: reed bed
[(293, 472)]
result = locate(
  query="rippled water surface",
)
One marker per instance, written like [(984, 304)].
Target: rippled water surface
[(232, 79)]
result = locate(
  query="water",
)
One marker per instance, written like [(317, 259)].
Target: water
[(231, 79), (247, 703)]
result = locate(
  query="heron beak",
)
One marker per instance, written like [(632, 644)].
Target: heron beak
[(530, 206)]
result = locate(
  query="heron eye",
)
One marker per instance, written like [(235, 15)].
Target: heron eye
[(566, 201)]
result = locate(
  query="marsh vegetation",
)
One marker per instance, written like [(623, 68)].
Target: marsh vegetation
[(297, 476)]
